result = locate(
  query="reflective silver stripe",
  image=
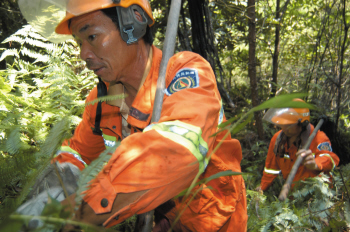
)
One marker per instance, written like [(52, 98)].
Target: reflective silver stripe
[(186, 135), (109, 141), (272, 171), (69, 150), (221, 113), (286, 156), (328, 155)]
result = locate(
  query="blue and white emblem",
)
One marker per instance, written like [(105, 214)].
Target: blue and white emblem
[(326, 146), (184, 79)]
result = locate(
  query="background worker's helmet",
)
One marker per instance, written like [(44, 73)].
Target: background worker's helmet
[(288, 116), (131, 29)]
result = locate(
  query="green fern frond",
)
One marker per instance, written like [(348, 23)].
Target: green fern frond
[(48, 149), (13, 143), (106, 98), (24, 30), (34, 97), (36, 36), (266, 227), (56, 137), (9, 52), (15, 38), (49, 47), (33, 54), (26, 67), (347, 212)]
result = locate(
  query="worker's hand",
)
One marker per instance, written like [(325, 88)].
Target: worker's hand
[(308, 159), (258, 189), (83, 214), (69, 204)]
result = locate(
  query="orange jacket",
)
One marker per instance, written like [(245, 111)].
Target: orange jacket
[(164, 157), (325, 159)]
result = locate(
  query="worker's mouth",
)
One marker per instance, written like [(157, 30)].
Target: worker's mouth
[(97, 71), (288, 134), (95, 67)]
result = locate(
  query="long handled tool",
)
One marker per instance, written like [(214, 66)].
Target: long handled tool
[(168, 51), (145, 220), (287, 186)]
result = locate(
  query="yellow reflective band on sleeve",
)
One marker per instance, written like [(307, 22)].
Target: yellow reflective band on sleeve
[(109, 141), (272, 171), (286, 156), (69, 150), (185, 134), (328, 155)]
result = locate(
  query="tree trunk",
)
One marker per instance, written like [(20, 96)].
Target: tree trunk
[(339, 85), (276, 53), (203, 41), (252, 66)]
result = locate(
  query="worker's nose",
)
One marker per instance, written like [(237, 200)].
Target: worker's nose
[(86, 51), (286, 128), (283, 127)]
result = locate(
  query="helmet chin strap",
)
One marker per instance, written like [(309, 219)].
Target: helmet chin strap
[(131, 28)]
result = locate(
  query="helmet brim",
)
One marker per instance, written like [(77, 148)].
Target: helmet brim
[(75, 11), (282, 116)]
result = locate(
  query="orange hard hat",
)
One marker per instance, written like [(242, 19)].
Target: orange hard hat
[(76, 8), (287, 116)]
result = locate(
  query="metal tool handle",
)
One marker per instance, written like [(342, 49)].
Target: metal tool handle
[(168, 52), (145, 221)]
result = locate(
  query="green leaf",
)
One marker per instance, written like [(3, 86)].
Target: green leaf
[(284, 101), (10, 225), (52, 208), (4, 87)]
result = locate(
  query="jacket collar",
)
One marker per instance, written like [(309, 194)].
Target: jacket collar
[(140, 112)]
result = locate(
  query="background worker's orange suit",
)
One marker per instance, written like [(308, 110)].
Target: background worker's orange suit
[(325, 159), (165, 157)]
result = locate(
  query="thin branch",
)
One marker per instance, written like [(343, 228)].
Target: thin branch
[(15, 11)]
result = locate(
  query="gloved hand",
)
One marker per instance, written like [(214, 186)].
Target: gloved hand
[(258, 189), (48, 184)]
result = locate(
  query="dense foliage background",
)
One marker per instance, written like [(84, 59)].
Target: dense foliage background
[(300, 47)]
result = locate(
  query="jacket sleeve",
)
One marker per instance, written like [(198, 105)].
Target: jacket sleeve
[(166, 156), (325, 158), (271, 169), (84, 146)]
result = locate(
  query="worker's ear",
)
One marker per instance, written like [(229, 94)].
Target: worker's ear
[(138, 15)]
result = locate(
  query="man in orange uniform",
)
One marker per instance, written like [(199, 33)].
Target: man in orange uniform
[(286, 144), (154, 162)]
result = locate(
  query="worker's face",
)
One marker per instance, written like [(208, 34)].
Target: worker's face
[(101, 46), (291, 130)]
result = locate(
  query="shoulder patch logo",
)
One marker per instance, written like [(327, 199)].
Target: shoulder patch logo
[(324, 146), (184, 79)]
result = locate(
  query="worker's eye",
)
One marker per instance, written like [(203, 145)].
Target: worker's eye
[(92, 37)]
